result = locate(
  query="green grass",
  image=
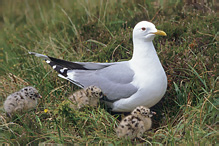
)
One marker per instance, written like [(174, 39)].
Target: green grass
[(101, 31)]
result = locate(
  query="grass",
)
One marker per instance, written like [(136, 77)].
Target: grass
[(101, 31)]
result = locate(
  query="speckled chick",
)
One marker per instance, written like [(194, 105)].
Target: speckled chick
[(135, 124), (25, 99), (88, 96)]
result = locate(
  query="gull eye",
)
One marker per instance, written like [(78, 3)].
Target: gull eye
[(143, 28)]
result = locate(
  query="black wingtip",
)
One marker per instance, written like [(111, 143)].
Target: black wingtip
[(60, 69), (67, 64)]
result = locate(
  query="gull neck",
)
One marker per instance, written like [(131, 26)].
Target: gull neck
[(143, 50)]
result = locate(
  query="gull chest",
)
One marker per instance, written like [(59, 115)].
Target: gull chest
[(150, 78)]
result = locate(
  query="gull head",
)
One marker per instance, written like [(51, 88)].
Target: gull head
[(146, 31)]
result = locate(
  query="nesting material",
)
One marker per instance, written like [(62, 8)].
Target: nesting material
[(25, 99), (135, 124), (89, 96)]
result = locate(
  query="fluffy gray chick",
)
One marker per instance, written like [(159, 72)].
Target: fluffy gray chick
[(25, 99), (88, 96), (135, 124)]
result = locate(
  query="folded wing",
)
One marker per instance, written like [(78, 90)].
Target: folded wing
[(114, 79)]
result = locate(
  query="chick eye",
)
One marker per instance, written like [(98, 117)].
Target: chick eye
[(143, 28)]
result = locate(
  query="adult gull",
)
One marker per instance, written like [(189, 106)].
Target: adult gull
[(140, 81)]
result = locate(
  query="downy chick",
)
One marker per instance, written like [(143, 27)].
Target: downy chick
[(135, 124), (25, 99), (88, 96)]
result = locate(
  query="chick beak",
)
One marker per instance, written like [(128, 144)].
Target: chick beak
[(160, 32), (40, 96), (152, 113)]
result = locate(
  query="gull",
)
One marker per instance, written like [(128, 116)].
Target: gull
[(89, 96), (135, 124), (127, 84), (25, 99)]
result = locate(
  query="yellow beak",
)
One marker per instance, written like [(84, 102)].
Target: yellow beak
[(160, 32)]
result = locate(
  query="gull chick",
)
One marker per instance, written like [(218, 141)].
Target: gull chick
[(88, 96), (25, 99), (135, 124)]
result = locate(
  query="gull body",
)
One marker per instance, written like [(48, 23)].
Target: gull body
[(128, 84)]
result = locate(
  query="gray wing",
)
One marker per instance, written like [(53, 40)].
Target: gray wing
[(114, 80), (70, 65)]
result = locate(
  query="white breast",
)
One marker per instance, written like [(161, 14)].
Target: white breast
[(151, 81)]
